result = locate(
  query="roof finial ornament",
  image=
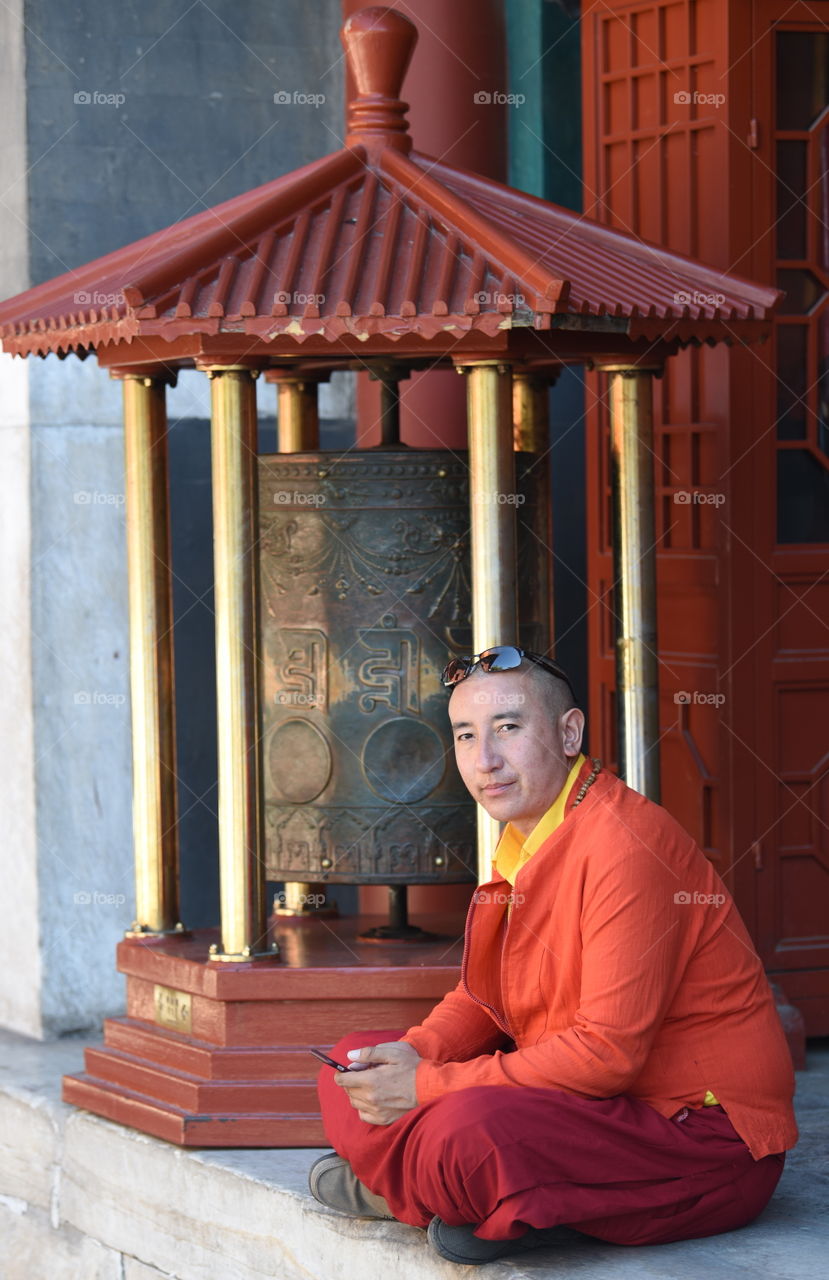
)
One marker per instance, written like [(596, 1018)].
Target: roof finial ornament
[(379, 43)]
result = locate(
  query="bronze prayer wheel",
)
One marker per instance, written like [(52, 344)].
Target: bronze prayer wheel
[(365, 584)]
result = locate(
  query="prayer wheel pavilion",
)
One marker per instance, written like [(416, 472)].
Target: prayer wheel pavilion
[(374, 257)]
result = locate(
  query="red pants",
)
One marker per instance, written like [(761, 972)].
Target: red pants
[(507, 1159)]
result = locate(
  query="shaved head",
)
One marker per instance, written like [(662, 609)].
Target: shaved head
[(554, 693)]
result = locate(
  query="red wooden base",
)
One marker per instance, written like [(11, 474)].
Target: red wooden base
[(241, 1075)]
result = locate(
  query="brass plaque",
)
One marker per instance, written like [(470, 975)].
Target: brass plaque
[(173, 1008)]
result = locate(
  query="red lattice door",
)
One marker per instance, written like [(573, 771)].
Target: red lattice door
[(791, 208)]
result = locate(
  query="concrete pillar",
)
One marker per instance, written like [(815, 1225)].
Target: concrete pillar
[(66, 854)]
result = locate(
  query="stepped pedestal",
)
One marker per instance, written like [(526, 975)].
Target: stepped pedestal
[(216, 1055)]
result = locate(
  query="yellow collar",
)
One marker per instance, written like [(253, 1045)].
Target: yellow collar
[(514, 851)]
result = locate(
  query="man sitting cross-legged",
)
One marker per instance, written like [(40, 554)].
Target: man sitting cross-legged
[(611, 1058)]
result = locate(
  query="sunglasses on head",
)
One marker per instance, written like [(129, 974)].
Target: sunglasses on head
[(501, 657)]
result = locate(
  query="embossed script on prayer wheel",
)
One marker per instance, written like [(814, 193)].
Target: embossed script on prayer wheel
[(365, 591)]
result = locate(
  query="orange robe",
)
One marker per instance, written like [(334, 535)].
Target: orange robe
[(622, 968)]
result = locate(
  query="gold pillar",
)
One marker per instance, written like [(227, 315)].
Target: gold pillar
[(297, 414), (154, 807), (492, 521), (235, 555), (530, 413), (634, 571), (531, 434)]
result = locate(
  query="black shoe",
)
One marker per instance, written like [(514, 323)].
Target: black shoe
[(460, 1244), (333, 1182)]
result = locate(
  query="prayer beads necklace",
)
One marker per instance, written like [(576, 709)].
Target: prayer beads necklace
[(588, 782)]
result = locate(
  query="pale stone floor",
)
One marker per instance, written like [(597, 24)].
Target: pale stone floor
[(83, 1199)]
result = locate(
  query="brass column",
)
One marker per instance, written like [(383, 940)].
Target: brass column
[(297, 414), (235, 554), (530, 413), (154, 802), (531, 434), (634, 572), (492, 520)]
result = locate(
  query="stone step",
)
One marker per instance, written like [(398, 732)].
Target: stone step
[(84, 1199)]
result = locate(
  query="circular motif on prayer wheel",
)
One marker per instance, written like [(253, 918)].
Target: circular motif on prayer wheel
[(403, 760), (299, 761)]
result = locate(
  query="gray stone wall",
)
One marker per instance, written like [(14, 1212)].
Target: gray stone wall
[(118, 120), (197, 122)]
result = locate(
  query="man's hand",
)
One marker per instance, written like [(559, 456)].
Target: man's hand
[(386, 1092)]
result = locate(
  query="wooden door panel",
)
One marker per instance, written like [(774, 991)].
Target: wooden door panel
[(791, 72), (740, 613), (651, 147)]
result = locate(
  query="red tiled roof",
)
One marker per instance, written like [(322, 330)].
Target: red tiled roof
[(375, 241)]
